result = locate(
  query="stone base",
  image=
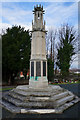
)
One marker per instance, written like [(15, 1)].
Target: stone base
[(52, 99), (40, 83)]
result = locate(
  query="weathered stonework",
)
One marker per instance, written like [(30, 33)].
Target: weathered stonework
[(38, 51), (38, 96), (53, 99)]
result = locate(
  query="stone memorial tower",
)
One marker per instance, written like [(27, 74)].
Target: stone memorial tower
[(38, 97), (38, 61)]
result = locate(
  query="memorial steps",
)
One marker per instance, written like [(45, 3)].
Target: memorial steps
[(52, 98), (38, 97)]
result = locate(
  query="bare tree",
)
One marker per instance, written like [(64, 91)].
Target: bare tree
[(51, 36), (50, 41), (47, 45)]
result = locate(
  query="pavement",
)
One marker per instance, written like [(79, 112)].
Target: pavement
[(72, 113)]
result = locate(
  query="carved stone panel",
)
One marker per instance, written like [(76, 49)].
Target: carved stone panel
[(32, 68), (44, 68), (38, 68)]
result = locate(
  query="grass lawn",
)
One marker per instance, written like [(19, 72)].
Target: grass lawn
[(5, 89)]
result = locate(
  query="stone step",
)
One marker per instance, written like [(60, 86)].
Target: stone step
[(48, 89), (11, 107), (28, 98), (38, 98), (41, 98), (63, 100), (24, 93), (15, 109), (18, 96), (57, 99), (52, 98), (10, 99), (59, 96), (38, 104), (27, 104), (36, 94)]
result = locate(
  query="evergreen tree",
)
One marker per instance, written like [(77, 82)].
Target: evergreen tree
[(15, 52), (50, 70), (67, 37)]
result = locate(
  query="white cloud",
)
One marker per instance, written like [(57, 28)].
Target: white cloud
[(4, 26), (16, 15), (57, 14), (74, 63)]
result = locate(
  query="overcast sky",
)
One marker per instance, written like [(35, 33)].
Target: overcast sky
[(56, 13)]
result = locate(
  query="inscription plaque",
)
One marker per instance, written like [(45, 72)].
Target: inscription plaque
[(44, 68), (38, 68), (32, 68)]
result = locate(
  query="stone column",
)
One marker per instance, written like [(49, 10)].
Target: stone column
[(41, 68), (34, 69), (38, 52), (46, 68), (30, 68)]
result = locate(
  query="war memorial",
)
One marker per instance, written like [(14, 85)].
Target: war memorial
[(38, 96)]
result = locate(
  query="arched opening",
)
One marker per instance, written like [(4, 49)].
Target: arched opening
[(38, 16)]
